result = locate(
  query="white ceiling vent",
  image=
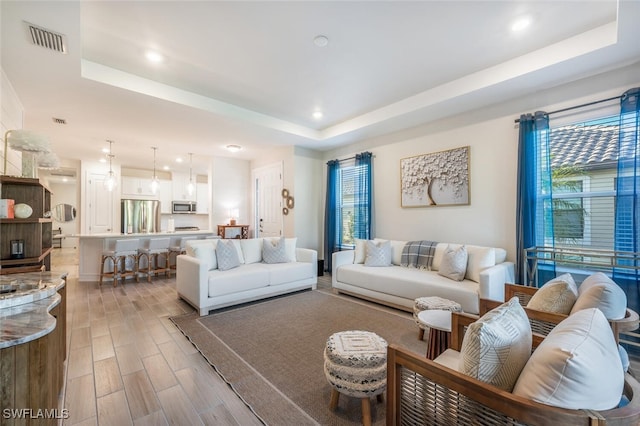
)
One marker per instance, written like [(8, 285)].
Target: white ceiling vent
[(46, 38)]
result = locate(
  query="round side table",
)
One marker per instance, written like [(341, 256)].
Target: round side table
[(439, 323)]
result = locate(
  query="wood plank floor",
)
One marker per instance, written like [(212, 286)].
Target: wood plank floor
[(129, 365)]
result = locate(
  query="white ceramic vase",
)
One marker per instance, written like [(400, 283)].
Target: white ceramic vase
[(22, 211)]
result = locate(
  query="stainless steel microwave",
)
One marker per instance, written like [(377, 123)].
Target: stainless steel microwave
[(183, 207)]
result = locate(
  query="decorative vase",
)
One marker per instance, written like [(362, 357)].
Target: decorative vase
[(22, 211)]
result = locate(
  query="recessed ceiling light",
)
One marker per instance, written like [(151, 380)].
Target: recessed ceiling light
[(154, 56), (234, 148), (317, 115), (321, 41), (105, 150), (165, 168), (520, 24), (179, 160), (103, 160)]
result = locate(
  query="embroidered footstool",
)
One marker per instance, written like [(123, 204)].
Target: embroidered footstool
[(432, 303), (355, 364)]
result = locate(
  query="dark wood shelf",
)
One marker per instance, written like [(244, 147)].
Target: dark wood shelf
[(28, 220)]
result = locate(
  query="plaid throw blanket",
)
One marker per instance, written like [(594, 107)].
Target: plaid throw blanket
[(418, 254)]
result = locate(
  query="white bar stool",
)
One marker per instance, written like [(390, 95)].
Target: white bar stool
[(122, 250), (175, 250), (155, 248)]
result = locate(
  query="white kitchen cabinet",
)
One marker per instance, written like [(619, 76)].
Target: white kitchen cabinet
[(180, 182), (202, 198), (165, 193), (137, 188)]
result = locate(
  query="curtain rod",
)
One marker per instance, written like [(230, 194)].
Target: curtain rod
[(517, 120), (351, 158)]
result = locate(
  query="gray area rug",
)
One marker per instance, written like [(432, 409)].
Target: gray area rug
[(271, 352)]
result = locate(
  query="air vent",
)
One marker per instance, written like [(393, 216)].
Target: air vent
[(63, 172), (47, 38), (59, 120)]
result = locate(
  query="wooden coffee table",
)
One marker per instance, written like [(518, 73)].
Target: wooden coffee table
[(439, 323)]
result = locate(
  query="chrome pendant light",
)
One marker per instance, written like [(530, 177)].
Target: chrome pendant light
[(110, 181), (154, 180), (190, 186)]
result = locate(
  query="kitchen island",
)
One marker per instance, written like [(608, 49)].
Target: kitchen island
[(92, 245), (32, 346)]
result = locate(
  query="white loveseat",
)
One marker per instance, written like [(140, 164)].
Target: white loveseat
[(204, 286), (398, 286)]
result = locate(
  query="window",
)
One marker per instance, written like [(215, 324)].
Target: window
[(583, 164), (349, 178)]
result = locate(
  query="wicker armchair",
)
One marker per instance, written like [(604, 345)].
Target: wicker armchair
[(423, 392)]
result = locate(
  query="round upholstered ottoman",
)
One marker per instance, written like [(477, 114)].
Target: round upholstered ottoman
[(355, 364), (432, 303)]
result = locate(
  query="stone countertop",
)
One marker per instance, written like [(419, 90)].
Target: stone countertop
[(143, 235), (24, 314)]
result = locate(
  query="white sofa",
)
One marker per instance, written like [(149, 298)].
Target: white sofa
[(398, 286), (204, 286)]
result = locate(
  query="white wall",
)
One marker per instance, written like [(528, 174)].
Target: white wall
[(11, 118), (493, 137), (307, 193), (64, 193), (230, 188)]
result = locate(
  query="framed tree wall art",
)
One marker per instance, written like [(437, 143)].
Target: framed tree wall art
[(435, 179)]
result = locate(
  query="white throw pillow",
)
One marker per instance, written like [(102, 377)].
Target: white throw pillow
[(577, 366), (206, 253), (454, 263), (497, 346), (251, 250), (236, 244), (360, 251), (599, 291), (396, 251), (274, 251), (438, 254), (191, 244), (227, 255), (479, 258), (557, 295), (378, 253)]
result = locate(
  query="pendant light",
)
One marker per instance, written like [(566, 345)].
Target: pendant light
[(110, 182), (154, 180), (190, 187)]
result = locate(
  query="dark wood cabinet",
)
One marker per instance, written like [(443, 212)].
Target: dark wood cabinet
[(34, 231), (233, 231)]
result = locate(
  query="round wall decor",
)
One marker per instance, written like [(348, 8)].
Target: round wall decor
[(290, 202), (285, 211), (285, 193)]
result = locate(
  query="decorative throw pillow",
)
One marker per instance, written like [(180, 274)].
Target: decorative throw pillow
[(251, 250), (274, 251), (454, 263), (577, 366), (599, 291), (557, 295), (360, 251), (236, 244), (378, 254), (479, 258), (497, 346), (227, 255), (206, 253)]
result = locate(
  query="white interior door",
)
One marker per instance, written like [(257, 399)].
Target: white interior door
[(100, 208), (268, 200)]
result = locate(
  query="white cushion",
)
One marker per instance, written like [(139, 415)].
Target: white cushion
[(556, 295), (378, 253), (227, 255), (497, 346), (191, 244), (360, 251), (577, 366), (251, 250), (396, 250), (454, 263), (479, 258), (283, 273), (274, 251), (236, 244), (449, 358), (501, 255), (599, 291), (246, 277), (206, 253), (409, 284), (438, 253), (290, 246)]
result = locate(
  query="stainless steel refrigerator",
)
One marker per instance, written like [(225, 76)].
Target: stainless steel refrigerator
[(140, 216)]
